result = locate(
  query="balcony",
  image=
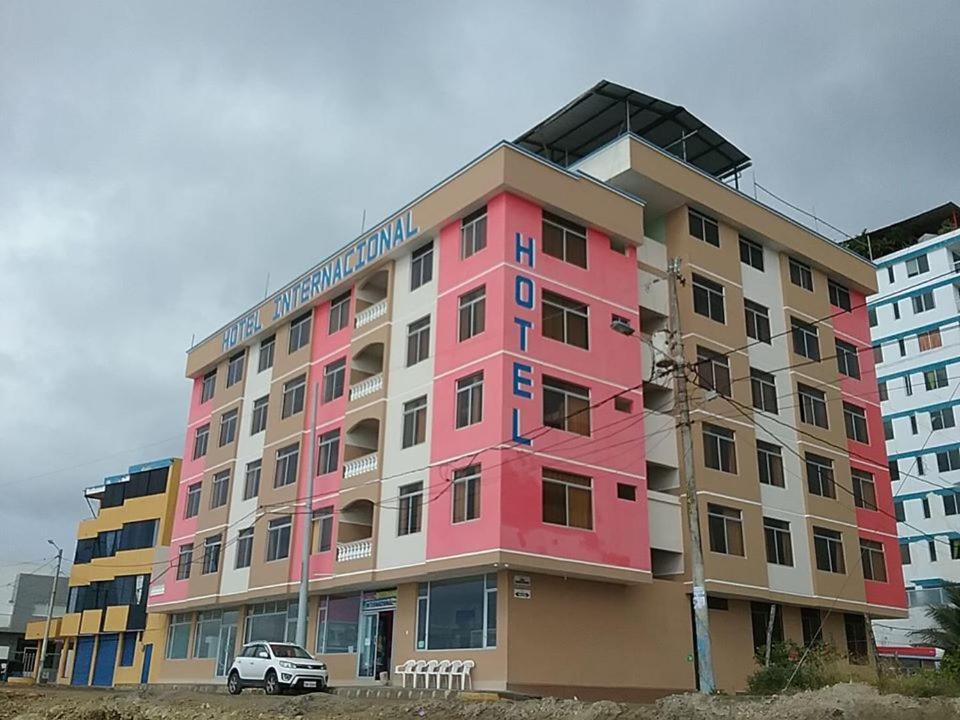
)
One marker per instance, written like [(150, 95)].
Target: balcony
[(366, 371), (666, 540), (356, 550), (372, 384), (360, 465), (655, 347), (660, 431), (365, 317), (372, 298)]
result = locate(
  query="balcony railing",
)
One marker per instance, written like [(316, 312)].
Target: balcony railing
[(371, 313), (355, 550), (360, 465), (366, 387)]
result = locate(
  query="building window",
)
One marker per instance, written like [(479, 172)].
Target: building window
[(566, 406), (929, 340), (469, 400), (334, 376), (874, 564), (855, 629), (259, 421), (625, 491), (839, 295), (942, 418), (193, 501), (228, 427), (925, 504), (418, 341), (917, 266), (864, 490), (287, 460), (466, 494), (855, 422), (828, 548), (278, 538), (949, 460), (923, 302), (955, 548), (751, 253), (877, 353), (719, 448), (265, 361), (882, 391), (935, 379), (211, 554), (813, 406), (726, 530), (184, 561), (932, 549), (219, 489), (903, 347), (322, 529), (410, 510), (473, 233), (708, 298), (564, 319), (209, 386), (251, 479), (951, 506), (907, 385), (920, 468), (905, 558), (705, 228), (622, 404), (872, 317), (339, 312), (178, 636), (760, 621), (235, 368), (777, 536), (564, 240), (898, 510), (200, 439), (811, 625), (300, 332), (421, 266), (820, 479), (713, 371), (806, 340), (338, 623), (896, 310), (207, 638), (801, 275), (328, 452), (758, 321), (415, 421), (244, 548), (472, 313), (848, 360), (770, 463), (457, 614), (294, 394), (764, 389), (567, 499), (271, 622)]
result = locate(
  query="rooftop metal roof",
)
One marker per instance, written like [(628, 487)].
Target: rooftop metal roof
[(607, 111)]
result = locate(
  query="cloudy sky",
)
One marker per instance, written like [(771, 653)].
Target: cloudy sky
[(159, 159)]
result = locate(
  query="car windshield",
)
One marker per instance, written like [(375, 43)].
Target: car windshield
[(289, 651)]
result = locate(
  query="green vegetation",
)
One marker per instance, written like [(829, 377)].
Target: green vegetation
[(816, 670)]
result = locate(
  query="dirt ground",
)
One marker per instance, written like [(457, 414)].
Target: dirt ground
[(840, 701)]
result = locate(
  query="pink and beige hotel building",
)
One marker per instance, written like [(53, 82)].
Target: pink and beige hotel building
[(495, 461)]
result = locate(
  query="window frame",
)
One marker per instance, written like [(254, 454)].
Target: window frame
[(839, 295), (721, 518), (278, 530), (713, 371), (421, 266), (705, 294), (570, 395), (418, 341), (569, 232), (244, 555), (219, 489), (855, 423), (806, 339), (235, 367), (294, 397), (258, 415), (706, 224), (192, 500), (252, 472), (465, 500), (339, 313), (872, 556), (821, 476), (751, 253), (763, 389), (469, 391), (553, 480), (473, 233), (774, 532), (848, 359), (719, 448), (414, 422), (212, 550), (265, 357), (765, 466), (830, 541), (471, 313), (300, 331), (801, 274), (813, 403), (571, 313), (864, 489), (334, 380), (760, 317), (328, 451), (229, 424), (410, 509), (284, 455)]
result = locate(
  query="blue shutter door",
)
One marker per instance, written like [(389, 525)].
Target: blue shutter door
[(81, 661), (147, 656), (106, 660)]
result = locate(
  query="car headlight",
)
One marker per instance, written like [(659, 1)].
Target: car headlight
[(285, 664), (321, 666)]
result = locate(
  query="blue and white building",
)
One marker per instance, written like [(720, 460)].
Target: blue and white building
[(915, 329)]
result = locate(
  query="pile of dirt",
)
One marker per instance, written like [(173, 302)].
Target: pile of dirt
[(840, 702)]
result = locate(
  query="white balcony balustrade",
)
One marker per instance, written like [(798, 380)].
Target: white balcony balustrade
[(360, 465), (366, 387), (356, 550), (370, 314)]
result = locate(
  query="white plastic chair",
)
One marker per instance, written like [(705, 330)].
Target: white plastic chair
[(404, 670), (468, 665), (424, 670), (441, 669), (455, 670)]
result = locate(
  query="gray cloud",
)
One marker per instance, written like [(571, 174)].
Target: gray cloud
[(160, 158)]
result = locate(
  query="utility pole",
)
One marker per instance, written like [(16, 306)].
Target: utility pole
[(307, 539), (46, 629), (700, 615)]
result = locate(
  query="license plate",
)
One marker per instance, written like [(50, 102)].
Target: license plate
[(309, 683)]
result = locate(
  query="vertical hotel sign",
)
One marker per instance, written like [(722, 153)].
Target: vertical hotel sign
[(524, 299)]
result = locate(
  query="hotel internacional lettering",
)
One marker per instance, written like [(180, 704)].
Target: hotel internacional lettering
[(495, 458)]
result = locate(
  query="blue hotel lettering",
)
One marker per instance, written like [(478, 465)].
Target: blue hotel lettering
[(524, 295), (304, 290)]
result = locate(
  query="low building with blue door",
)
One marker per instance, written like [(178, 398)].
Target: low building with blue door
[(106, 636)]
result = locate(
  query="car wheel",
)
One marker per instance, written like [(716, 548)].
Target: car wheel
[(233, 684), (271, 686)]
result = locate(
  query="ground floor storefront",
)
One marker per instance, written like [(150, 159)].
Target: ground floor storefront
[(530, 633)]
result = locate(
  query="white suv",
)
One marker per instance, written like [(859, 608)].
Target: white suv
[(275, 667)]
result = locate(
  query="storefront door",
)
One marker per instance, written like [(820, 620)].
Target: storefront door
[(376, 643), (227, 642)]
